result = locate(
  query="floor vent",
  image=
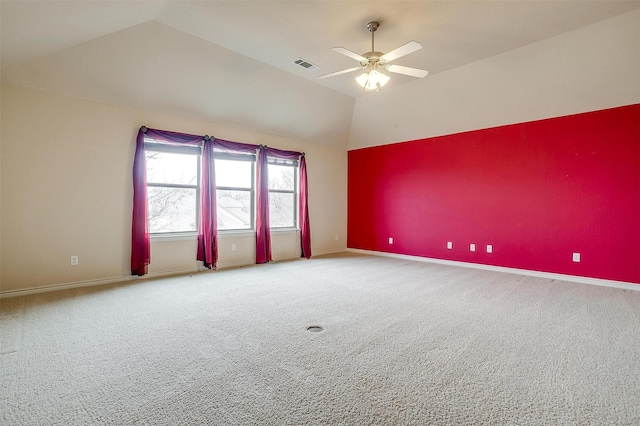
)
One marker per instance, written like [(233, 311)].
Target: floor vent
[(306, 64)]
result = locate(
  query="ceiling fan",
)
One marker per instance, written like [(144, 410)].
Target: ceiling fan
[(373, 62)]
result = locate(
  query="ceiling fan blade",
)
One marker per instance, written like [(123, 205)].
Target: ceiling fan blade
[(405, 49), (349, 53), (333, 74), (413, 72)]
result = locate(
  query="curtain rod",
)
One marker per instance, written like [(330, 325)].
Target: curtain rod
[(207, 137)]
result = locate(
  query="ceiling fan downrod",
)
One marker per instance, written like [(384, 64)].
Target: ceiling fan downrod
[(372, 59), (372, 27)]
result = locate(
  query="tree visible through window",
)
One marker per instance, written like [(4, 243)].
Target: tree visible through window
[(172, 188), (169, 193)]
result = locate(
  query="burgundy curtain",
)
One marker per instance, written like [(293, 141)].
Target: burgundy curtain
[(173, 137), (208, 225), (263, 233), (234, 146), (303, 196), (303, 213), (140, 244)]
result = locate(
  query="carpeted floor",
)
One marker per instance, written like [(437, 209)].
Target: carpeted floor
[(403, 343)]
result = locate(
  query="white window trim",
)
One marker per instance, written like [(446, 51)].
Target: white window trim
[(221, 155), (295, 164), (152, 145)]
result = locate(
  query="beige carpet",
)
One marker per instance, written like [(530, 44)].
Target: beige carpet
[(403, 343)]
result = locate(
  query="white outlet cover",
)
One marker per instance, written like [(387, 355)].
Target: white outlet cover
[(489, 248), (390, 240), (576, 257), (233, 246), (472, 247), (449, 245)]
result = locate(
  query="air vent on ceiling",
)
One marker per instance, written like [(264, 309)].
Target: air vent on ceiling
[(306, 64)]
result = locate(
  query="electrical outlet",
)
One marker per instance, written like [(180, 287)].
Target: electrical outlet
[(336, 238), (233, 246), (576, 257), (472, 247), (390, 240), (489, 248), (449, 245), (74, 260)]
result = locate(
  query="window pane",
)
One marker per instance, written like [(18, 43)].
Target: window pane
[(281, 177), (232, 173), (165, 167), (281, 210), (172, 209), (234, 209)]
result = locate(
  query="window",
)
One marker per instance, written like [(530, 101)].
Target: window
[(173, 189), (168, 193), (283, 188), (235, 191), (173, 176)]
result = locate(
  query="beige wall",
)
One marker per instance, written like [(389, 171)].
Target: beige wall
[(66, 189), (593, 68)]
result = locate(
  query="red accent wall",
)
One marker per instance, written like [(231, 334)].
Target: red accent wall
[(537, 192)]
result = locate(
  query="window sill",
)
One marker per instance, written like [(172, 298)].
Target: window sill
[(284, 231), (245, 232), (177, 236), (192, 236)]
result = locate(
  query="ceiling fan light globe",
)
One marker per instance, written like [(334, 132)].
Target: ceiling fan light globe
[(373, 80), (362, 79), (382, 79)]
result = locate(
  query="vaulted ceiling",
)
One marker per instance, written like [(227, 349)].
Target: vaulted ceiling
[(231, 62)]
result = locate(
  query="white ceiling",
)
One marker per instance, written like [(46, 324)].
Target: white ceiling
[(231, 61)]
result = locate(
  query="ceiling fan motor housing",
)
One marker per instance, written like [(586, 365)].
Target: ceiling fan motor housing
[(372, 58)]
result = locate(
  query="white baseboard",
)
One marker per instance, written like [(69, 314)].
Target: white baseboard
[(126, 278), (229, 265), (94, 282), (65, 286), (103, 281), (549, 275), (325, 252)]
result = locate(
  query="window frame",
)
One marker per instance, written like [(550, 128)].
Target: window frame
[(153, 145), (295, 164), (238, 156)]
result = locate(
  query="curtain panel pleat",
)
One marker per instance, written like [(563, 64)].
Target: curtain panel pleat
[(140, 244), (280, 153), (207, 250), (303, 196), (208, 224), (173, 137), (223, 145), (263, 233)]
